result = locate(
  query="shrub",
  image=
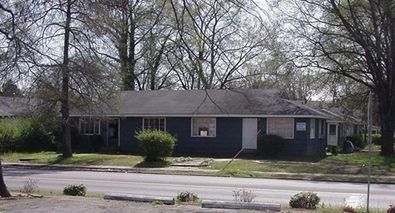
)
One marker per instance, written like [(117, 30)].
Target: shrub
[(306, 200), (187, 197), (25, 135), (157, 202), (75, 190), (357, 140), (391, 209), (29, 187), (11, 133), (270, 145), (96, 142), (333, 149), (349, 209), (376, 139), (243, 195), (36, 137), (155, 144)]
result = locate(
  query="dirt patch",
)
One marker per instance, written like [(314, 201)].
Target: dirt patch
[(68, 204)]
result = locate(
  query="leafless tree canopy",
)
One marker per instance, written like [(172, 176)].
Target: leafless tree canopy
[(355, 39)]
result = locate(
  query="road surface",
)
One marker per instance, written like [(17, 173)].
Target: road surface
[(206, 187)]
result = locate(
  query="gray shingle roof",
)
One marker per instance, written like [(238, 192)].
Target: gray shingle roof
[(14, 106), (235, 102), (336, 114)]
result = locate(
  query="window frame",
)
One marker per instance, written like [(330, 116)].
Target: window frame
[(312, 128), (291, 123), (209, 122), (86, 130), (321, 129), (154, 118)]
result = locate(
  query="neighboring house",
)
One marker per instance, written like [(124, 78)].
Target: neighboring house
[(340, 125), (15, 106), (206, 122)]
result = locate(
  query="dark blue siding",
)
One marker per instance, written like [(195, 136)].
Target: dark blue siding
[(341, 135), (302, 145), (227, 141), (129, 127), (228, 138)]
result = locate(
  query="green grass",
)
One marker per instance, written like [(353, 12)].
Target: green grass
[(80, 159), (347, 164)]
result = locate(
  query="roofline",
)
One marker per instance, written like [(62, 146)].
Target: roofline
[(307, 107), (200, 115)]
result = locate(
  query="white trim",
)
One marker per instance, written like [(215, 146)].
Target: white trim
[(119, 132), (164, 122), (208, 136), (91, 119), (107, 141), (202, 115)]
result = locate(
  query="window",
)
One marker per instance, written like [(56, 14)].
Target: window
[(332, 129), (283, 127), (154, 123), (312, 128), (203, 127), (89, 126), (321, 128)]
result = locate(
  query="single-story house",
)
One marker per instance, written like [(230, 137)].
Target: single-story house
[(205, 122)]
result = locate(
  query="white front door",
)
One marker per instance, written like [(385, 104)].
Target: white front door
[(332, 134), (250, 127)]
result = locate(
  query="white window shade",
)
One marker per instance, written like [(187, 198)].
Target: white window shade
[(203, 127), (283, 127), (312, 128)]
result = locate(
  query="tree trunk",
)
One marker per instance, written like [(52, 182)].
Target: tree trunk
[(387, 119), (66, 139), (387, 136), (132, 51), (3, 188)]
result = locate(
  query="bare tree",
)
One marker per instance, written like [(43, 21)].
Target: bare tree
[(47, 26), (275, 69), (7, 37), (215, 40), (137, 38), (355, 39)]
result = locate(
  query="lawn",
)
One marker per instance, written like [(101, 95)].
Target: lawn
[(355, 163), (348, 165), (344, 164), (80, 159)]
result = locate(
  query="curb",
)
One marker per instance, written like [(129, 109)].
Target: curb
[(139, 198), (249, 206), (184, 171)]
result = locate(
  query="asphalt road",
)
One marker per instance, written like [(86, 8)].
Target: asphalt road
[(207, 188)]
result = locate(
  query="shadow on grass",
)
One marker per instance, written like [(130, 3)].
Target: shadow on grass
[(153, 164), (79, 160), (236, 173), (59, 159), (311, 159)]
